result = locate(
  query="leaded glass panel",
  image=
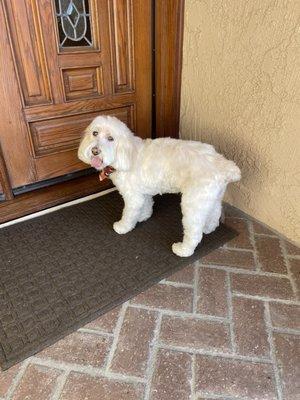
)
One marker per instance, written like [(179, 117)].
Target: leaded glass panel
[(74, 25)]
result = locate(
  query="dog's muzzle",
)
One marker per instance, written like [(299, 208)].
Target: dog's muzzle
[(96, 160)]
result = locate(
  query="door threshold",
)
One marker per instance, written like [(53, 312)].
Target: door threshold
[(58, 207), (53, 181), (41, 199)]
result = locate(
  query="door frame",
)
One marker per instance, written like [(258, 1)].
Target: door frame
[(169, 20), (167, 63)]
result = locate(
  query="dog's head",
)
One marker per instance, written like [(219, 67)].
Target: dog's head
[(107, 141)]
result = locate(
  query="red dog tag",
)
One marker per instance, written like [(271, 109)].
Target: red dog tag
[(105, 173)]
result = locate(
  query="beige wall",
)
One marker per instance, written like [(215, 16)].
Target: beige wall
[(241, 92)]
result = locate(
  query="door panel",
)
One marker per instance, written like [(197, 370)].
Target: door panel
[(83, 83), (59, 138), (74, 60), (13, 130), (60, 134), (121, 38), (29, 52), (56, 145)]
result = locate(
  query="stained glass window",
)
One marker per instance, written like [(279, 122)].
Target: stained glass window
[(74, 25)]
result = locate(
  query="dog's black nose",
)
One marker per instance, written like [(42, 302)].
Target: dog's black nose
[(95, 151)]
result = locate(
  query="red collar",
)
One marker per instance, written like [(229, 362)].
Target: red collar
[(106, 172)]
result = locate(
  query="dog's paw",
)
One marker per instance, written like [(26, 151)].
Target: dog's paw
[(121, 228), (182, 250)]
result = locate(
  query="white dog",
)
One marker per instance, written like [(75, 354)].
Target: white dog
[(141, 169)]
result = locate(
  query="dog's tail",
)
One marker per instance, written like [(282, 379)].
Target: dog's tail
[(232, 173)]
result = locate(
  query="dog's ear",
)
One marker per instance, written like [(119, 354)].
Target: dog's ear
[(124, 153), (83, 146)]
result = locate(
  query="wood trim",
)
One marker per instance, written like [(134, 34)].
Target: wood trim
[(4, 179), (168, 64), (41, 199)]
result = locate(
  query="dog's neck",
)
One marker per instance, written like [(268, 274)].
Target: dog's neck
[(108, 170), (137, 144)]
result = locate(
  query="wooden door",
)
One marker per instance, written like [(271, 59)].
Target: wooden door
[(63, 62)]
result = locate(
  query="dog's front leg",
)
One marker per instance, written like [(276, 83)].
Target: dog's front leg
[(146, 209), (131, 213)]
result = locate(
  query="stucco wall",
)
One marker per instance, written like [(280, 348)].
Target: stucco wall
[(241, 92)]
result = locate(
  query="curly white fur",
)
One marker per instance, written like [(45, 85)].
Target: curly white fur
[(148, 167)]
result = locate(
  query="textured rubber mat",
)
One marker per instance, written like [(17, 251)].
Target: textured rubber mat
[(63, 269)]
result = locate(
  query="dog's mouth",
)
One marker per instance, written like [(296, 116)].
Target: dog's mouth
[(97, 162)]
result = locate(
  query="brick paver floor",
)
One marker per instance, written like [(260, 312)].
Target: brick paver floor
[(226, 327)]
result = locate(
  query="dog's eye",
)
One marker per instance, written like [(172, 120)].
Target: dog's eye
[(110, 138), (95, 133)]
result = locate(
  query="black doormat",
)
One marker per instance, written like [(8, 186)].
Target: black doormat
[(63, 269)]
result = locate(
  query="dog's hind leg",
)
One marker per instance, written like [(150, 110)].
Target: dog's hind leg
[(147, 208), (131, 213), (196, 205), (213, 218)]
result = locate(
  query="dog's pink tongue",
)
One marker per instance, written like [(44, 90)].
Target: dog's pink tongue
[(96, 162)]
